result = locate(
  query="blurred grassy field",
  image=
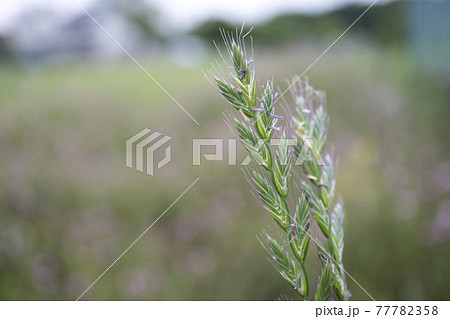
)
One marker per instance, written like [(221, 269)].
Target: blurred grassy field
[(69, 206)]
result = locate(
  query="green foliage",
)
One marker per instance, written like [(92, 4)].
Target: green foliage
[(385, 24)]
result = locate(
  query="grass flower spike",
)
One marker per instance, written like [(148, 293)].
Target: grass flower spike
[(299, 194)]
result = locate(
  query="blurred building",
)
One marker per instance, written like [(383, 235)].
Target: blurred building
[(42, 35)]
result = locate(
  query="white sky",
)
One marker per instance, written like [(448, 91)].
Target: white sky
[(184, 13)]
